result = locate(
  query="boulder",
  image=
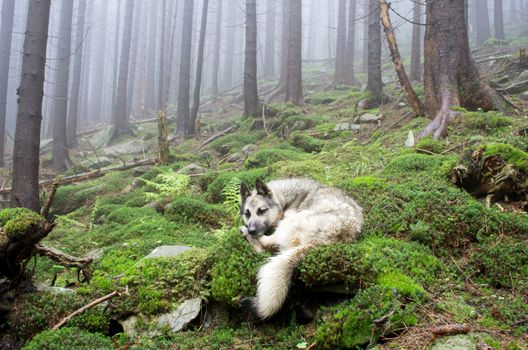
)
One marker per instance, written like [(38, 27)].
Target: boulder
[(410, 142), (103, 137), (94, 164), (185, 313), (127, 148), (250, 149), (347, 126), (370, 118), (192, 169), (129, 325), (167, 251)]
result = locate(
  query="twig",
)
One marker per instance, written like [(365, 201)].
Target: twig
[(264, 118), (86, 307), (214, 137), (95, 152), (313, 345), (45, 210)]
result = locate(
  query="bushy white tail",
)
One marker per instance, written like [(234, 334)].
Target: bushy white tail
[(274, 280)]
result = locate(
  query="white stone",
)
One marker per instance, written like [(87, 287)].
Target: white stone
[(167, 251), (185, 313)]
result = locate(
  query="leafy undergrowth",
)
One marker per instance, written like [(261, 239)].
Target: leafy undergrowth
[(430, 251)]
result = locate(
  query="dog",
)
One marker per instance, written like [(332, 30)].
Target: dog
[(291, 217)]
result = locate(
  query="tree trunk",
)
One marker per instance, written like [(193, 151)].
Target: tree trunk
[(120, 117), (285, 46), (227, 82), (410, 95), (30, 94), (294, 92), (374, 83), (151, 101), (498, 16), (251, 101), (483, 27), (269, 61), (116, 53), (218, 42), (73, 107), (366, 11), (451, 79), (351, 44), (331, 29), (98, 88), (133, 83), (185, 68), (513, 10), (191, 126), (60, 154), (340, 62), (416, 46), (172, 40), (6, 38), (162, 103)]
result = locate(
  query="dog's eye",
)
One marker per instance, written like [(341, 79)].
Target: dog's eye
[(247, 214), (262, 211)]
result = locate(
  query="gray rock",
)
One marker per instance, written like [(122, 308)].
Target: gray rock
[(458, 342), (237, 157), (347, 126), (185, 313), (140, 170), (250, 149), (410, 142), (54, 290), (102, 137), (192, 169), (166, 251), (126, 148), (370, 118), (517, 88), (300, 125), (130, 325)]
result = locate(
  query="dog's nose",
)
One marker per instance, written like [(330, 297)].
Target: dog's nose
[(252, 231)]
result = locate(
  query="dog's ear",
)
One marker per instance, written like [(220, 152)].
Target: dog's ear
[(262, 189), (244, 191)]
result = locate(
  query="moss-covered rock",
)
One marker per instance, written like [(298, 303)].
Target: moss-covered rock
[(234, 271), (485, 121), (509, 154), (193, 210), (307, 143), (69, 338), (429, 144), (16, 223)]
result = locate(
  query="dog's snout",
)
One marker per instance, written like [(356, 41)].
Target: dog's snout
[(252, 231)]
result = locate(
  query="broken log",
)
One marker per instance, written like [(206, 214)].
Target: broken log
[(214, 137)]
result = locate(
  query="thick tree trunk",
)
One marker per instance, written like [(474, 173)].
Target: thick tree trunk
[(251, 101), (218, 42), (168, 78), (294, 92), (97, 87), (340, 62), (312, 29), (6, 38), (120, 117), (185, 69), (482, 16), (351, 44), (227, 82), (416, 46), (162, 103), (513, 10), (366, 11), (73, 107), (331, 29), (133, 83), (374, 83), (151, 101), (116, 53), (498, 16), (269, 61), (285, 46), (61, 158), (451, 79), (410, 95), (30, 93), (191, 126)]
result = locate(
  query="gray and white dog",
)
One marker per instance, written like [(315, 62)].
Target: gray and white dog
[(291, 217)]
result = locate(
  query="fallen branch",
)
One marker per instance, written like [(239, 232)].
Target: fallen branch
[(86, 307), (494, 58), (214, 137), (45, 210), (63, 258), (87, 176)]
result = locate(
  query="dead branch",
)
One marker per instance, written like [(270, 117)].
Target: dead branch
[(63, 258), (214, 137), (45, 210), (450, 329), (86, 307), (264, 119)]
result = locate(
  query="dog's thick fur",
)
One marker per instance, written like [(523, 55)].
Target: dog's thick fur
[(291, 217)]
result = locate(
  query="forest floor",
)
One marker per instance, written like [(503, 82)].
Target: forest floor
[(443, 250)]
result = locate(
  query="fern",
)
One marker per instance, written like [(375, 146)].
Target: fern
[(66, 220), (231, 195), (166, 184)]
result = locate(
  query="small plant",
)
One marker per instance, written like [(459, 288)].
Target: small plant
[(231, 195), (166, 184)]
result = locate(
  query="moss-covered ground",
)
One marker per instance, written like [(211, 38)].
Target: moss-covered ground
[(430, 252)]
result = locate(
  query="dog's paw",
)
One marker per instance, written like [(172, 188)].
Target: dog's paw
[(244, 231)]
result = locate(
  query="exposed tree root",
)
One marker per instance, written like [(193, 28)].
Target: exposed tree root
[(438, 127), (83, 264)]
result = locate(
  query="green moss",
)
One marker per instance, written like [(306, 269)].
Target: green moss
[(215, 188), (413, 163), (234, 269), (69, 338), (302, 122), (509, 154), (431, 145), (193, 210), (307, 143), (456, 306), (485, 121), (235, 141), (270, 156), (19, 222), (404, 284), (326, 127), (309, 168), (351, 325)]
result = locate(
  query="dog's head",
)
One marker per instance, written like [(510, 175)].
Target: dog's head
[(260, 211)]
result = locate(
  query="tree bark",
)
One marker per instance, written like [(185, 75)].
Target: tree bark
[(416, 45), (498, 16), (227, 82), (331, 28), (251, 101), (73, 107), (6, 38), (340, 62), (294, 92), (218, 42), (285, 46), (162, 103), (191, 126), (482, 16), (351, 43), (451, 79), (185, 69), (410, 95), (60, 154), (97, 88), (151, 101), (366, 11), (269, 61), (120, 117), (374, 83), (513, 10), (116, 53), (30, 94)]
